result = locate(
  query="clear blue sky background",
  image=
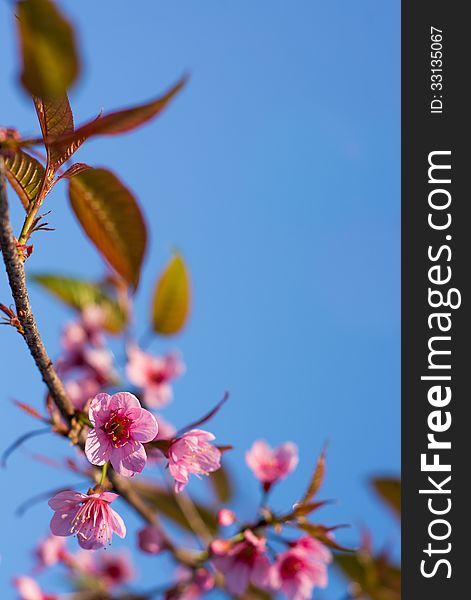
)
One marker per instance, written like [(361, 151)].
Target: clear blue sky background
[(276, 173)]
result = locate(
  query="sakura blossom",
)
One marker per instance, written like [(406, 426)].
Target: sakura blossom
[(120, 426), (86, 364), (115, 569), (151, 540), (153, 374), (89, 329), (88, 516), (192, 454), (50, 551), (300, 569), (226, 517), (270, 465), (243, 563), (193, 587), (29, 589), (108, 569)]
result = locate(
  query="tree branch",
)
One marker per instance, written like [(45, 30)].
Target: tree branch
[(17, 280)]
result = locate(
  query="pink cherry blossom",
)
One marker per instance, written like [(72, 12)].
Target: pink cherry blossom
[(300, 569), (81, 390), (153, 374), (89, 329), (50, 551), (111, 569), (272, 464), (192, 454), (197, 585), (120, 426), (28, 589), (151, 540), (315, 549), (243, 563), (226, 517), (115, 569), (166, 432), (89, 517)]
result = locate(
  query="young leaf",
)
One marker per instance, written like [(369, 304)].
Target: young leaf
[(221, 485), (316, 480), (372, 577), (49, 58), (56, 119), (111, 218), (79, 294), (164, 503), (74, 169), (27, 408), (322, 533), (389, 489), (207, 417), (26, 175), (171, 303), (120, 121)]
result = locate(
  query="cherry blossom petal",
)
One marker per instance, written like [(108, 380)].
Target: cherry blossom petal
[(98, 447), (129, 459)]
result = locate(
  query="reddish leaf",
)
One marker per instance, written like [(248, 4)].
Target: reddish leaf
[(316, 480), (221, 484), (323, 534), (171, 302), (47, 42), (56, 119), (26, 175), (389, 489), (30, 410), (111, 218), (302, 510), (73, 170), (120, 121), (206, 417)]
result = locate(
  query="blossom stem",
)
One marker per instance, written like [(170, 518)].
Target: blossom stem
[(104, 469)]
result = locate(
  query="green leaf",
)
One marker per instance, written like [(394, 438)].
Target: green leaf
[(255, 593), (49, 57), (375, 578), (111, 218), (316, 480), (79, 294), (171, 302), (56, 119), (26, 175), (164, 503), (389, 489), (221, 485)]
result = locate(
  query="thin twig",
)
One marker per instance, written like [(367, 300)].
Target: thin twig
[(17, 280)]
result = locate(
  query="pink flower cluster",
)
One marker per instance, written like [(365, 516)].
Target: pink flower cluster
[(86, 364), (88, 516), (153, 374), (272, 465), (120, 427), (105, 571), (192, 454), (295, 573)]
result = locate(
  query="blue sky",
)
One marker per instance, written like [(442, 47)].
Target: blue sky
[(276, 173)]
